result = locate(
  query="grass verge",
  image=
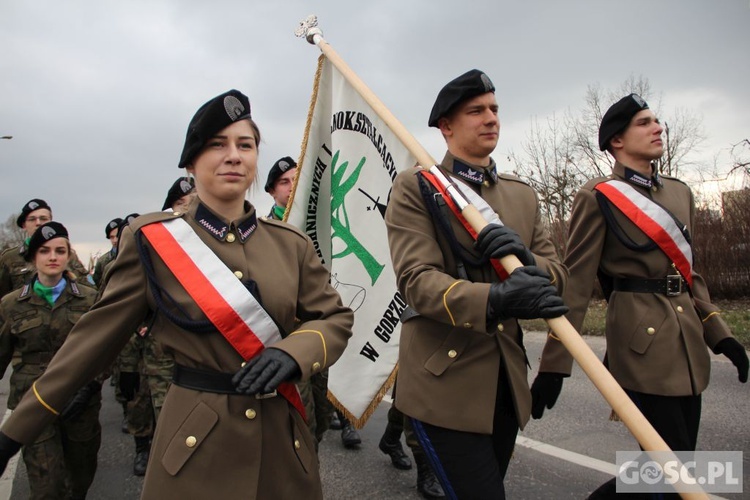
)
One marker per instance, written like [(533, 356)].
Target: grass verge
[(735, 312)]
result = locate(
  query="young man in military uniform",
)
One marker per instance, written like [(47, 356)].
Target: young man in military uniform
[(462, 364), (279, 185), (659, 315), (110, 231), (14, 270)]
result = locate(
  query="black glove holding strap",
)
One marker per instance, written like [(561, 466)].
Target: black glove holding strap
[(129, 384), (79, 401), (733, 350), (544, 392), (265, 372), (496, 241), (8, 448), (526, 294)]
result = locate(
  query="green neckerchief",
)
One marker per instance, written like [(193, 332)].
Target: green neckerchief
[(279, 212), (49, 293)]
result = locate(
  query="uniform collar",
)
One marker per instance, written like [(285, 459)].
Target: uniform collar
[(28, 288), (636, 178), (219, 228), (468, 172)]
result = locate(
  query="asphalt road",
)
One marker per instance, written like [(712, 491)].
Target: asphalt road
[(565, 455)]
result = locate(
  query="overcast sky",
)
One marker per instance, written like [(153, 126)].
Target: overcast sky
[(98, 94)]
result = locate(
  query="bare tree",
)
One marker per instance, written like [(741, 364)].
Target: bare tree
[(547, 164), (10, 234), (741, 156)]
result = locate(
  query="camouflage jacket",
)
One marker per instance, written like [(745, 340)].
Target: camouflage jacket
[(101, 266), (29, 325)]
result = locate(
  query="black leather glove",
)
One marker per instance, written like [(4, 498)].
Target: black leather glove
[(544, 392), (526, 294), (130, 383), (79, 401), (733, 350), (8, 448), (265, 372), (497, 241)]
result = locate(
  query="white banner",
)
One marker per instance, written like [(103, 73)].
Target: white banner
[(350, 159)]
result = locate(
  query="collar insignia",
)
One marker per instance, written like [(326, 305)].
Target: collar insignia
[(247, 227), (212, 224), (467, 173), (635, 178)]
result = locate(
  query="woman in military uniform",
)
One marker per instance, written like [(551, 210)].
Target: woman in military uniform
[(232, 422), (35, 320)]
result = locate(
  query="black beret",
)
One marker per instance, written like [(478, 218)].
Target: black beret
[(279, 168), (125, 222), (113, 224), (43, 234), (181, 187), (618, 116), (213, 116), (30, 206), (470, 84)]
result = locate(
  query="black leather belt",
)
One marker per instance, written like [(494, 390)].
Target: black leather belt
[(209, 381), (203, 380), (671, 286)]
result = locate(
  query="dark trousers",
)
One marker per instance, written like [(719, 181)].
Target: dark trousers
[(676, 419), (471, 465)]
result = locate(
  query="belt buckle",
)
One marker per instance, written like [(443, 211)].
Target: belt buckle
[(674, 285), (267, 395)]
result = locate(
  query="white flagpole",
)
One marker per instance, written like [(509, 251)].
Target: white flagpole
[(628, 412)]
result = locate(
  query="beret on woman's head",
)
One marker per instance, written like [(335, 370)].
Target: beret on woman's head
[(213, 116)]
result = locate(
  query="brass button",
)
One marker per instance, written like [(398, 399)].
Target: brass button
[(238, 274), (651, 330), (176, 213), (500, 327), (467, 325), (297, 444), (191, 441), (452, 353), (486, 184), (230, 238), (250, 414), (316, 366), (679, 309), (654, 188), (243, 364)]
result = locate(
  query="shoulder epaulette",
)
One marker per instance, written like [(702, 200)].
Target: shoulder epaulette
[(511, 177), (282, 225), (153, 217)]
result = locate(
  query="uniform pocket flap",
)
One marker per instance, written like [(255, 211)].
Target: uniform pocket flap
[(647, 329), (189, 437), (449, 351), (21, 325)]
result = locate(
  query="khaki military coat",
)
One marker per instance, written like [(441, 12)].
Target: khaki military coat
[(210, 445), (449, 358), (655, 344)]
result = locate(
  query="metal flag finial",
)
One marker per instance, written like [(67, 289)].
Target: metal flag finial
[(308, 28)]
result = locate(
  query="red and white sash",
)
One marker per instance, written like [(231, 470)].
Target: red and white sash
[(487, 212), (225, 301), (655, 221)]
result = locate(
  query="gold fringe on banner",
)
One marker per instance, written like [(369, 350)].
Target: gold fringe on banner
[(306, 136), (358, 423)]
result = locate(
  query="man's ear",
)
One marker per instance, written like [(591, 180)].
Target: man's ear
[(615, 143), (444, 125)]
